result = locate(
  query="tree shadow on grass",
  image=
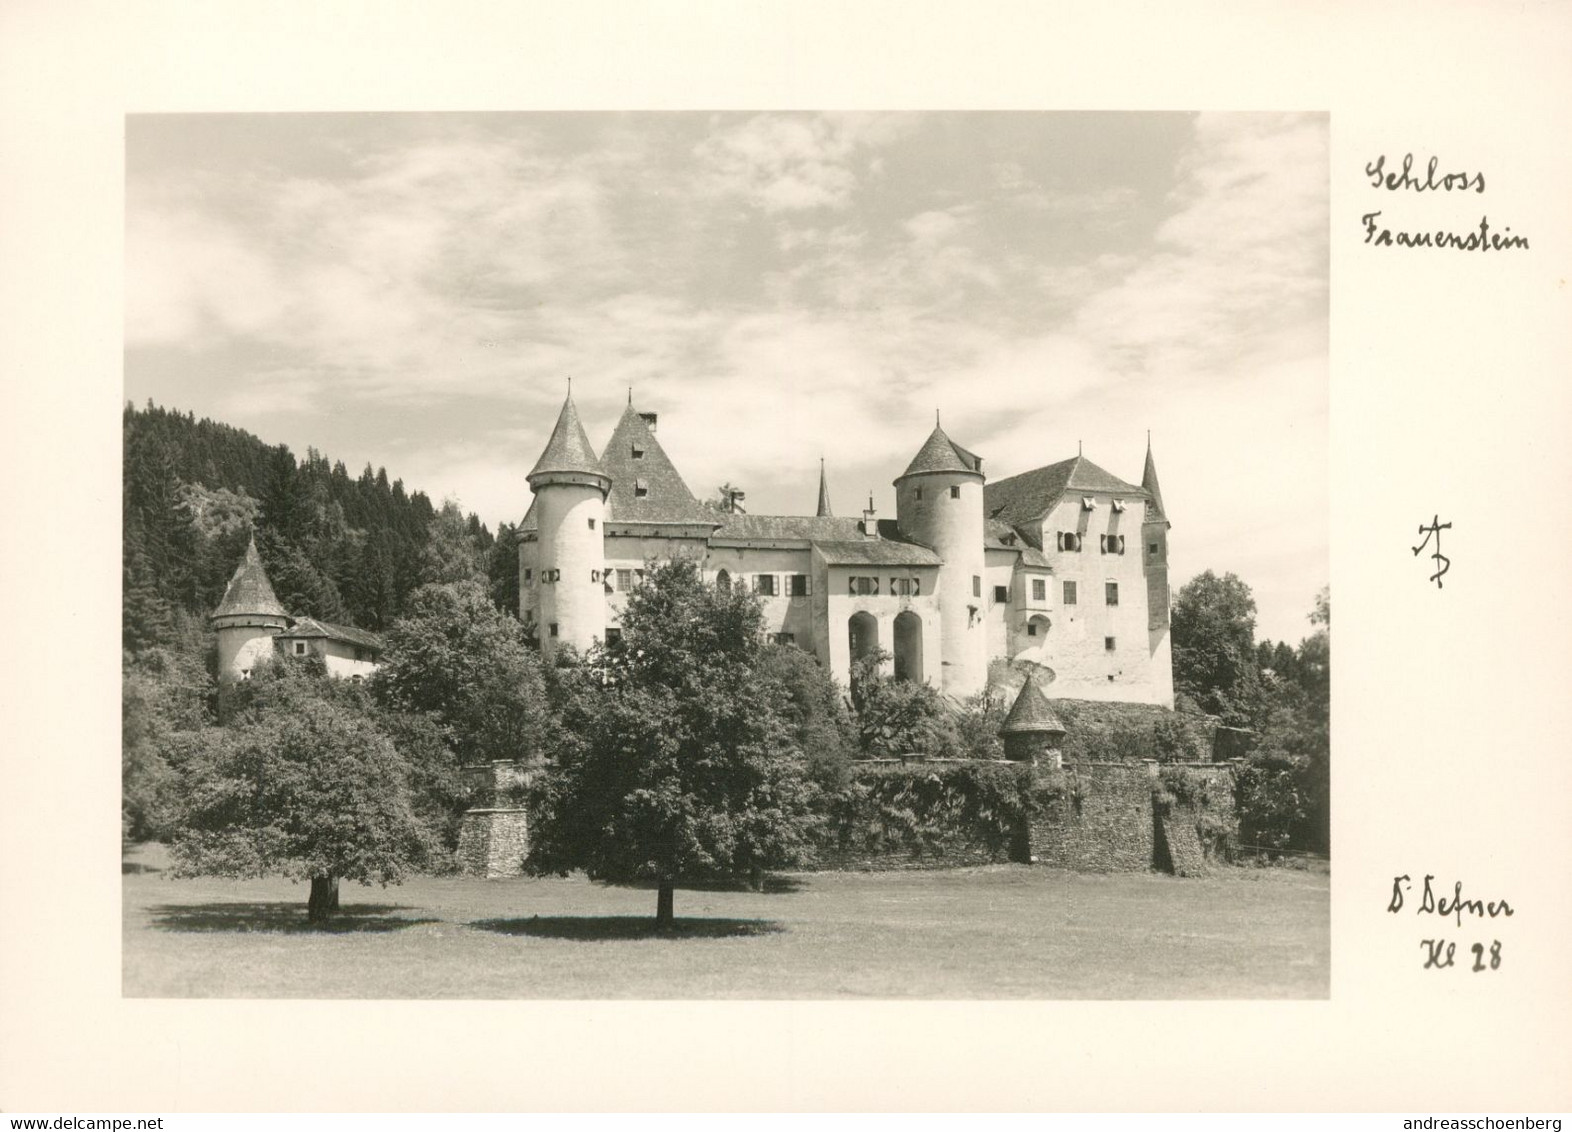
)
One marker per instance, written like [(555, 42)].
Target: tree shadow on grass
[(136, 868), (770, 884), (595, 929), (280, 916)]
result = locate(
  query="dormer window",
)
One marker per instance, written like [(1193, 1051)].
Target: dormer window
[(638, 453), (1088, 503), (641, 488), (1118, 505)]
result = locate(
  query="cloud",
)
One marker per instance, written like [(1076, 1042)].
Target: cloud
[(785, 163)]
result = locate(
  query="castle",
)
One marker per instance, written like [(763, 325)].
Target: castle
[(1064, 567)]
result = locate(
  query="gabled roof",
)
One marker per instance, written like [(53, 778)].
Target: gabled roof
[(1031, 712), (249, 593), (941, 454), (1020, 499), (666, 499), (569, 449), (309, 627), (796, 528), (1154, 509), (877, 552)]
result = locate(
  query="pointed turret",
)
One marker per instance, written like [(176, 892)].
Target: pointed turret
[(569, 453), (249, 593), (824, 511), (941, 454), (939, 504), (570, 485), (1032, 731), (1149, 482), (247, 619)]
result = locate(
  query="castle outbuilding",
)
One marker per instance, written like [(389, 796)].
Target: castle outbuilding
[(253, 627), (1064, 567)]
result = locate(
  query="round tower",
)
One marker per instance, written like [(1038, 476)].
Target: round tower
[(570, 501), (939, 503), (247, 619)]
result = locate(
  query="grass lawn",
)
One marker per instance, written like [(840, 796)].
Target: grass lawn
[(1005, 931)]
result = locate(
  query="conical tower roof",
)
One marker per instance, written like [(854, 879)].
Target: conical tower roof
[(1149, 482), (249, 593), (569, 449), (824, 511), (941, 454), (1031, 712)]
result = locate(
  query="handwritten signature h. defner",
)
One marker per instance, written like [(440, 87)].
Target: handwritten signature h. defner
[(1457, 907)]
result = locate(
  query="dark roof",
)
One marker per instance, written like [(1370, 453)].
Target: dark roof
[(824, 511), (249, 592), (941, 454), (311, 627), (569, 448), (1020, 499), (1154, 508), (668, 499), (877, 552), (1031, 712), (799, 528)]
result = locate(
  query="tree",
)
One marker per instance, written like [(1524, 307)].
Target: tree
[(897, 717), (1214, 655), (452, 552), (674, 763), (457, 657), (814, 709), (303, 784)]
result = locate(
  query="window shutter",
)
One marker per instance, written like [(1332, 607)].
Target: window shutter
[(807, 584)]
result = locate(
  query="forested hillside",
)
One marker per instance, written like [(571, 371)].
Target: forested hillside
[(347, 549)]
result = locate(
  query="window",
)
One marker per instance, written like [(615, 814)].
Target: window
[(864, 587), (955, 491), (1111, 544), (797, 585), (1069, 541), (1111, 593), (624, 580), (552, 628), (919, 493), (903, 587), (300, 648), (785, 638), (1108, 644), (764, 584), (638, 453), (976, 585), (528, 574), (1039, 589), (592, 524), (613, 636), (1151, 549), (640, 489), (1001, 594), (1031, 628), (1069, 593)]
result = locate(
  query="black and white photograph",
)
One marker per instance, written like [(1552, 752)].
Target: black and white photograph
[(777, 558), (747, 555)]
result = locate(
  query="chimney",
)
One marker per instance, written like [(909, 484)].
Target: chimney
[(649, 419), (870, 520), (734, 500)]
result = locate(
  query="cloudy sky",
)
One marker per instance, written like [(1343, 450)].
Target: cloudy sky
[(416, 290)]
